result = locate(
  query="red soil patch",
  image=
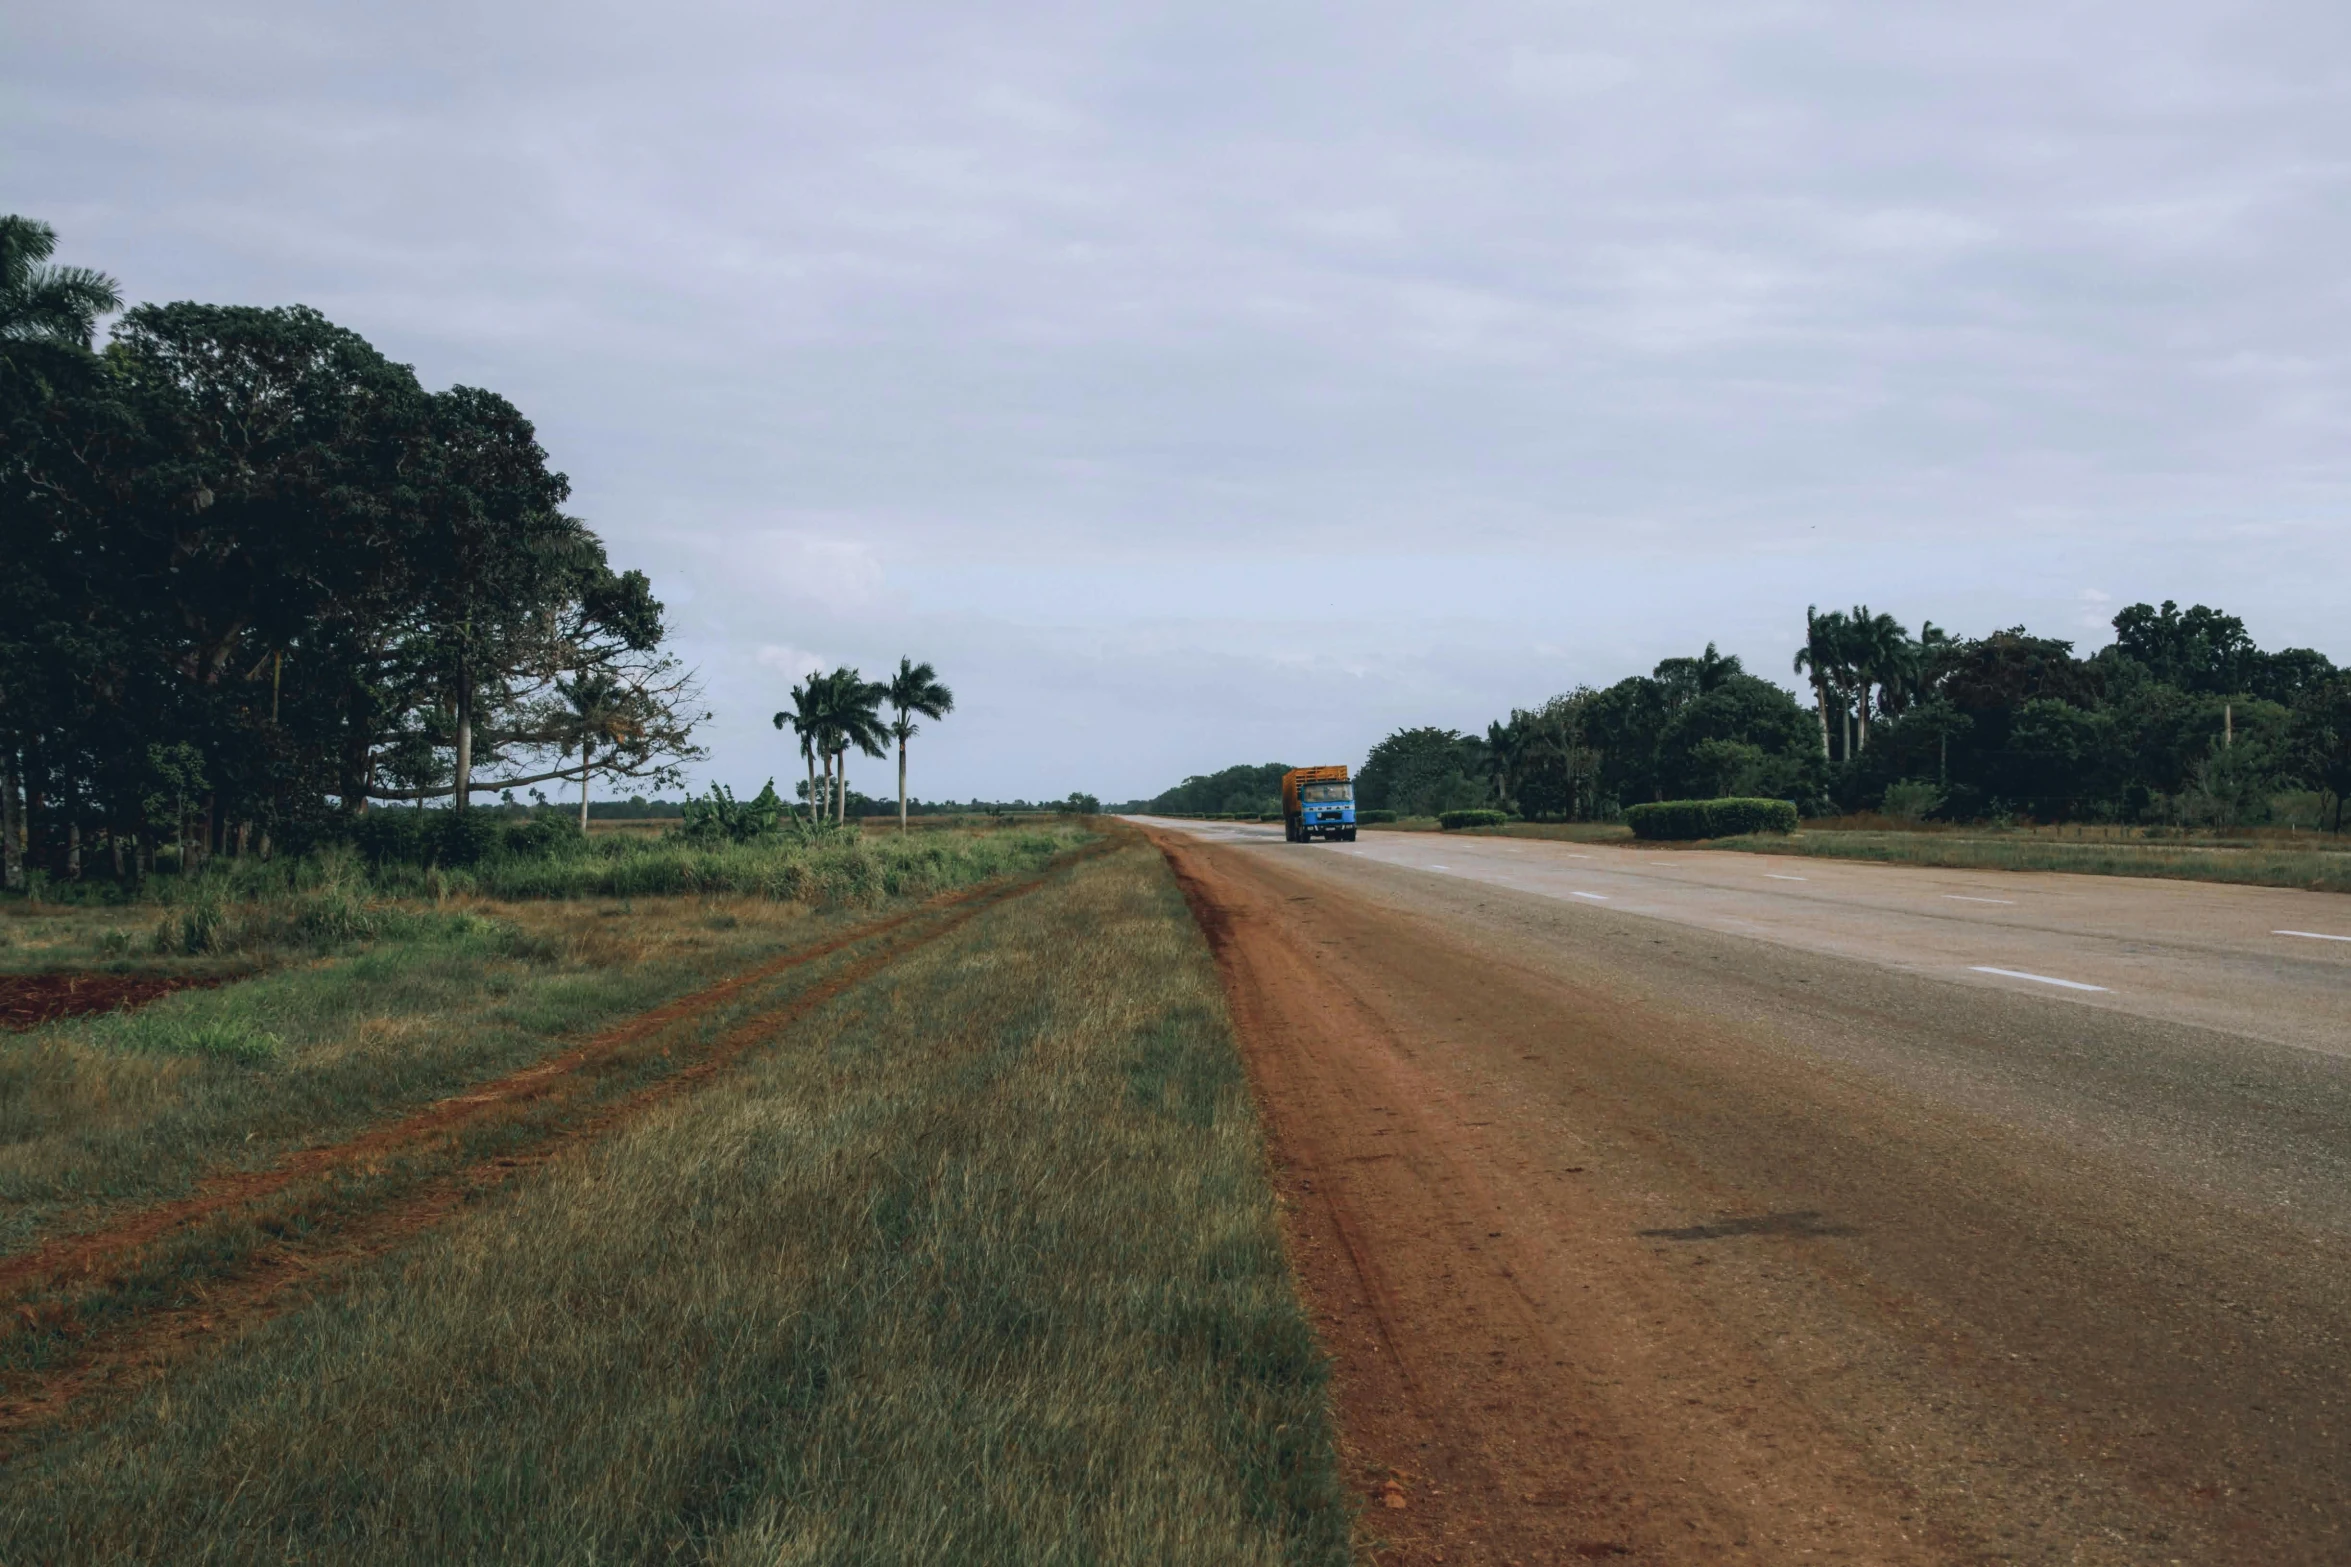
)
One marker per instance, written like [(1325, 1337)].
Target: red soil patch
[(29, 1000)]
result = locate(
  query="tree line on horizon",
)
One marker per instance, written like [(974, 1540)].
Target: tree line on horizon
[(2183, 720), (259, 578)]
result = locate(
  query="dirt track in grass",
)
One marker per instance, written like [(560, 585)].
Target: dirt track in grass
[(264, 1239)]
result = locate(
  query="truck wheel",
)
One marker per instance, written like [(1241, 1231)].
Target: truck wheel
[(1346, 835)]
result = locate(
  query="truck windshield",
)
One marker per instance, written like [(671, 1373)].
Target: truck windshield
[(1326, 794)]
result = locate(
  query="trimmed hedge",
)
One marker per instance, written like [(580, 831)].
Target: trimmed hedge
[(1686, 819), (1373, 818), (1451, 820)]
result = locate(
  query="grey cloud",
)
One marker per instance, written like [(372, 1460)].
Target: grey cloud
[(1103, 353)]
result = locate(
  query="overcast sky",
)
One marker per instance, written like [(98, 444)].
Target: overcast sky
[(1216, 382)]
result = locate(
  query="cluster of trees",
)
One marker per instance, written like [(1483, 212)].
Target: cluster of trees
[(257, 577), (2182, 720), (834, 714), (1696, 726), (1236, 791)]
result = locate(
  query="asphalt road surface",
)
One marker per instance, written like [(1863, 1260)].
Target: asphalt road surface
[(1693, 1207)]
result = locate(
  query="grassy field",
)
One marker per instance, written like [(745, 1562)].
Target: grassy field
[(366, 1006), (2318, 869), (964, 1254), (2269, 858)]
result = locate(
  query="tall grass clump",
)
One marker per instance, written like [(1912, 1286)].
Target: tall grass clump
[(825, 869), (979, 1264)]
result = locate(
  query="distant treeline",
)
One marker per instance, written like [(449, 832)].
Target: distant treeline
[(2183, 720), (256, 576), (1237, 791)]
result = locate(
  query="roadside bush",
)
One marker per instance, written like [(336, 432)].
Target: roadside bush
[(1454, 820), (1682, 820), (724, 819), (1373, 818), (1912, 800), (460, 838)]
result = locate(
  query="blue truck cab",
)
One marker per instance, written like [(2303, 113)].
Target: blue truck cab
[(1318, 802)]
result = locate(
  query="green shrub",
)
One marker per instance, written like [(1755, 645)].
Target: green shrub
[(1912, 800), (1730, 818), (1454, 820), (724, 819), (1373, 818), (1682, 820), (461, 838)]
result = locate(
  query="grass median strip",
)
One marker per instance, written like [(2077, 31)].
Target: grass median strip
[(973, 1262)]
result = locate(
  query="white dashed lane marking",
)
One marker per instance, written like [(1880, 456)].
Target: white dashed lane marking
[(1596, 897), (1964, 898), (1776, 876), (2310, 935), (2038, 979)]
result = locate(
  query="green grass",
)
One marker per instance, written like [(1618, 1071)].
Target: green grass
[(2317, 870), (976, 1264), (835, 866), (2268, 859), (365, 1008), (1563, 832)]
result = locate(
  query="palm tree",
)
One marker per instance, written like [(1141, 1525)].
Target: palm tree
[(1822, 657), (1878, 653), (914, 689), (42, 303), (805, 720), (599, 711), (850, 707)]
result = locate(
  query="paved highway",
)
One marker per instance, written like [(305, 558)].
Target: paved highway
[(2268, 962), (1849, 1211)]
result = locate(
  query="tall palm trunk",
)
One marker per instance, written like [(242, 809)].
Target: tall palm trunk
[(808, 755), (901, 785), (584, 787), (1820, 689)]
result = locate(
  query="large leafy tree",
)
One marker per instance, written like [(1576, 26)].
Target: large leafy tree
[(252, 565), (2321, 736), (1419, 772), (914, 691)]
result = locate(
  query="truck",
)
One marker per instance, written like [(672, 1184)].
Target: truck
[(1317, 802)]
